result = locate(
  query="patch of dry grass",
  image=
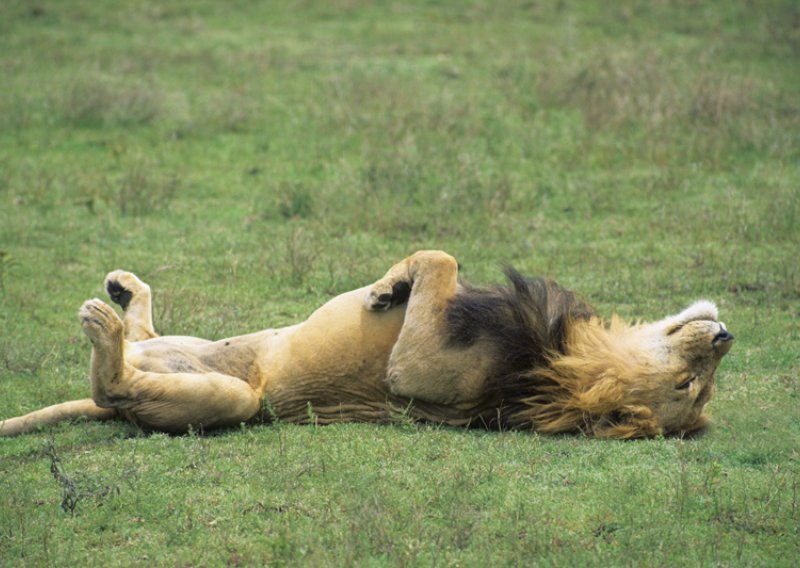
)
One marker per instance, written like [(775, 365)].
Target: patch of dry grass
[(99, 98), (692, 108)]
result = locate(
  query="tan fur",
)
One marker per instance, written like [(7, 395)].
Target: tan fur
[(358, 357), (613, 383)]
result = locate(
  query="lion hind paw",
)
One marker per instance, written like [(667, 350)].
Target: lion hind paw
[(99, 320), (119, 294), (122, 286)]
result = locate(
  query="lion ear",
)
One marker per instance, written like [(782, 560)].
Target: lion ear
[(626, 422)]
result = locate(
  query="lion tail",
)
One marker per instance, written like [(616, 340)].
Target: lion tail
[(85, 408)]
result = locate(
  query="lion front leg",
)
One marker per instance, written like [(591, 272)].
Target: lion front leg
[(431, 273), (423, 365), (133, 296)]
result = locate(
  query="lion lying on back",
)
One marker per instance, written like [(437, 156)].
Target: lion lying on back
[(528, 355)]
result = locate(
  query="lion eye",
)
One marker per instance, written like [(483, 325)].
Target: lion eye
[(685, 384)]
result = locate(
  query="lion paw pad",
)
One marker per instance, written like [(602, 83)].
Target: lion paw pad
[(119, 294), (122, 286)]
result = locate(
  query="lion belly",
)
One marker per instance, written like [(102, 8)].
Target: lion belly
[(335, 362)]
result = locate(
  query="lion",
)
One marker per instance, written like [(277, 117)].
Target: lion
[(525, 355)]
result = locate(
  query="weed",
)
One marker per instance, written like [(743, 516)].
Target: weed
[(7, 263), (174, 308), (76, 489), (140, 190), (29, 361), (100, 98), (233, 111), (295, 201), (402, 416), (616, 88), (300, 254), (312, 416)]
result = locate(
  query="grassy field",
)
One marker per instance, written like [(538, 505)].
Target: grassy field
[(249, 160)]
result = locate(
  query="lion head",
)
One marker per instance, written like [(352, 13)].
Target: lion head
[(621, 381)]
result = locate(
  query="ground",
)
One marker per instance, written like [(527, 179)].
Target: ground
[(250, 160)]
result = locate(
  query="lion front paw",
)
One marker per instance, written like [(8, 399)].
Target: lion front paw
[(383, 296), (99, 321), (122, 286)]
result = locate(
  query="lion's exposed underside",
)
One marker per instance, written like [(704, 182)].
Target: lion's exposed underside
[(527, 355)]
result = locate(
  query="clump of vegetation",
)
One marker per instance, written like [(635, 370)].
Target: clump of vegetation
[(141, 190), (295, 201), (94, 98), (76, 488), (6, 266)]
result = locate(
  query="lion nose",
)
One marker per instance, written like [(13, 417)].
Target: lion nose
[(723, 336)]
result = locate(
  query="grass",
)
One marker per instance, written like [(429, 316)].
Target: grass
[(250, 160)]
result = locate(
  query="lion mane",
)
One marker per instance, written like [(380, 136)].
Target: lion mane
[(559, 367)]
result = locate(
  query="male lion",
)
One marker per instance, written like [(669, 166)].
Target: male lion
[(527, 355)]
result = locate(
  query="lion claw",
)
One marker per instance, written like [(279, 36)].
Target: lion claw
[(381, 299), (378, 301)]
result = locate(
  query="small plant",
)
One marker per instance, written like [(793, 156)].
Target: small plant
[(7, 263), (92, 98), (70, 492), (402, 415), (295, 201), (301, 255), (141, 191), (75, 489), (312, 416)]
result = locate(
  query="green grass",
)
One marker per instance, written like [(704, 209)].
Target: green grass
[(249, 160)]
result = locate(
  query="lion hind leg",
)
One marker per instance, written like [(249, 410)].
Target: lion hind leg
[(85, 408), (101, 324), (177, 402), (133, 296), (163, 401)]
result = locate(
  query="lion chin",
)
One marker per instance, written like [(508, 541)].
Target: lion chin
[(525, 355)]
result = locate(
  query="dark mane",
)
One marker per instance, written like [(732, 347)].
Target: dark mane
[(525, 322)]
